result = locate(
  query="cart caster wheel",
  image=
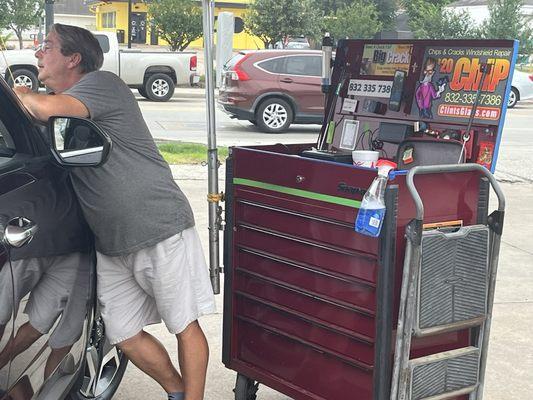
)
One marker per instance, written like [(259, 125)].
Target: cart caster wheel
[(245, 388)]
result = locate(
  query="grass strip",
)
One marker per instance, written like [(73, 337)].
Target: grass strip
[(188, 153)]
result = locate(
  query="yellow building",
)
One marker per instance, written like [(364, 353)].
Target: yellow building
[(113, 16)]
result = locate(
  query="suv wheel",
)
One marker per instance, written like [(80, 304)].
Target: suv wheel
[(104, 367), (159, 87), (274, 115), (23, 77), (513, 98), (142, 92)]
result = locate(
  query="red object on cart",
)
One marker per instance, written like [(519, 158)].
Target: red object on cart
[(311, 308), (309, 303)]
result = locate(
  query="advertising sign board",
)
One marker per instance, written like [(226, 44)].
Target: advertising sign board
[(450, 78)]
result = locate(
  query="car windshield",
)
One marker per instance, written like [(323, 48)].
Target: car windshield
[(297, 45)]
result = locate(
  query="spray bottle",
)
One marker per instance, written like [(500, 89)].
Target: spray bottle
[(372, 211)]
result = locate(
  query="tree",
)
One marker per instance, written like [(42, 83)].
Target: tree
[(179, 22), (3, 40), (330, 7), (430, 20), (387, 12), (506, 21), (360, 20), (20, 15), (276, 20), (386, 9)]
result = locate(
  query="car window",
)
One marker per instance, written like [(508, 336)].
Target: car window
[(233, 60), (303, 65), (297, 45), (273, 65), (104, 42), (15, 126), (7, 146), (300, 40)]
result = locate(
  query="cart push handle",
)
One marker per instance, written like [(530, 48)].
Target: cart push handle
[(453, 168)]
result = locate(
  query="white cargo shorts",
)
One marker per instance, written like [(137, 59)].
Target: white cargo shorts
[(168, 281)]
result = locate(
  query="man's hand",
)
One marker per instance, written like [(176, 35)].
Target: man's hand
[(20, 91), (441, 83), (441, 89)]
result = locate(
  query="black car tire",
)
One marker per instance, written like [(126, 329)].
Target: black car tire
[(99, 381), (514, 96), (142, 92), (23, 77), (274, 115), (159, 87)]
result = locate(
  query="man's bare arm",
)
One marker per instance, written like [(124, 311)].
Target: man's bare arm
[(43, 106)]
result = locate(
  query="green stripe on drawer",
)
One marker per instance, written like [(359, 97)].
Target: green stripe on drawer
[(298, 192)]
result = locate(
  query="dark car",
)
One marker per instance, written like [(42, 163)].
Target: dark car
[(274, 88), (52, 338)]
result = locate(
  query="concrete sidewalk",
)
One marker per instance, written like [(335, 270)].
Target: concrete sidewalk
[(510, 364)]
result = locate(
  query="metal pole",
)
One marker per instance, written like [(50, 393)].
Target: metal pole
[(213, 196), (129, 24), (48, 15), (327, 51)]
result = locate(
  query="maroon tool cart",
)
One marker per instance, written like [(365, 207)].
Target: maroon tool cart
[(314, 309)]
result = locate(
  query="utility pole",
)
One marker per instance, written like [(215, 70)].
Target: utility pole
[(129, 24), (48, 15)]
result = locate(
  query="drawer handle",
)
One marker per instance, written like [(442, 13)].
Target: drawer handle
[(300, 178)]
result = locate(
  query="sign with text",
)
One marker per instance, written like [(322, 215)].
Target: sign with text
[(385, 59), (450, 78), (369, 88)]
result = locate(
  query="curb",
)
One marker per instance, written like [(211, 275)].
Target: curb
[(189, 92)]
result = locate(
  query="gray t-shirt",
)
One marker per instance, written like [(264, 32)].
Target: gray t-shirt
[(130, 202)]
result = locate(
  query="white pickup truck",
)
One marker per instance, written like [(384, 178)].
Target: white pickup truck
[(154, 74)]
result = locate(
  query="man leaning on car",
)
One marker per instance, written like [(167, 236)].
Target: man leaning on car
[(150, 263)]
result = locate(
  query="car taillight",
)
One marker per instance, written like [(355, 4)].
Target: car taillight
[(193, 63), (531, 77), (237, 74)]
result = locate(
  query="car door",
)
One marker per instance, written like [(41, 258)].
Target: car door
[(45, 259), (6, 294), (301, 79)]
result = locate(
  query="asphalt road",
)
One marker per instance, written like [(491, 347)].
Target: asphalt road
[(184, 118), (509, 374)]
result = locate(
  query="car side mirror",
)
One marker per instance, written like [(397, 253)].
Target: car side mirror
[(78, 142)]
